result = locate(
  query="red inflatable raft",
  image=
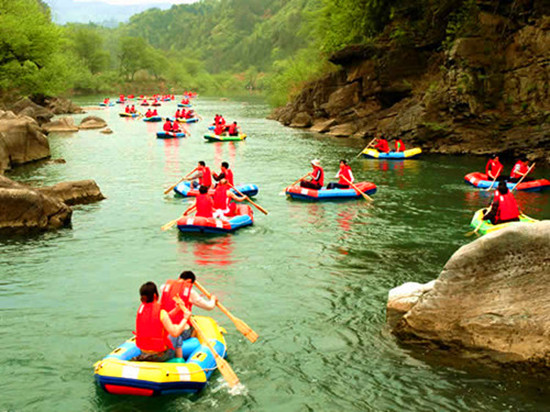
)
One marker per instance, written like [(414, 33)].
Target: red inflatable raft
[(482, 181)]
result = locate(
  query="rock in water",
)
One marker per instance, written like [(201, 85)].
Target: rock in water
[(65, 124), (73, 193), (21, 141), (92, 122), (492, 298)]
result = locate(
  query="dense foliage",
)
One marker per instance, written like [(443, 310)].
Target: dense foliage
[(218, 46)]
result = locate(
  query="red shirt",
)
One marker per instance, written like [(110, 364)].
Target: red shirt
[(518, 168), (218, 130), (345, 171), (221, 200), (493, 168), (382, 146), (204, 206)]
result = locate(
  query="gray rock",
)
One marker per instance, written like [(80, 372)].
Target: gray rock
[(74, 193), (65, 124), (92, 122), (302, 119), (323, 125)]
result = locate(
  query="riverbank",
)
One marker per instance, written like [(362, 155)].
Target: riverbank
[(483, 93)]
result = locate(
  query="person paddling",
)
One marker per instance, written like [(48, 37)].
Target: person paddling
[(520, 169), (382, 145), (176, 127), (182, 287), (178, 115), (155, 113), (202, 176), (127, 109), (494, 168), (149, 113), (222, 204), (167, 126), (204, 204), (504, 207), (153, 326), (225, 172), (233, 129), (316, 177), (219, 129), (343, 173), (133, 109)]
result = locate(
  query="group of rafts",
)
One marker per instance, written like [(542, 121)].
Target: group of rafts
[(175, 127)]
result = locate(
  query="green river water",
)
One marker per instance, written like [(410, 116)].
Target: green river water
[(311, 278)]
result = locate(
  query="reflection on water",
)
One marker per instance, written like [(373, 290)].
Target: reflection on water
[(208, 250)]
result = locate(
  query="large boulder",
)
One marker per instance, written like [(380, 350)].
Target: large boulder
[(26, 209), (302, 119), (73, 193), (491, 299), (59, 105), (21, 141), (23, 209), (26, 107), (65, 124), (92, 122)]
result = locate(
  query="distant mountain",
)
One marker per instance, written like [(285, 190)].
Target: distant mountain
[(71, 11)]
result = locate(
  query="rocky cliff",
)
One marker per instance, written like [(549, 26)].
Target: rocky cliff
[(476, 84), (491, 301)]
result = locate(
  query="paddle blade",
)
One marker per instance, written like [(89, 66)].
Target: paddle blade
[(169, 225), (245, 330), (227, 372)]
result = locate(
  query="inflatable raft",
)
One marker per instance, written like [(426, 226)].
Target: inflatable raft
[(156, 104), (244, 217), (118, 375), (482, 181), (185, 120), (128, 114), (184, 105), (302, 193), (152, 119), (170, 135), (211, 137), (488, 227), (407, 154), (110, 104), (184, 189)]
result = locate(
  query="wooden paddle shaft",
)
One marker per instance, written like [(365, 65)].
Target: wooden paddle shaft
[(523, 177), (356, 188), (261, 209)]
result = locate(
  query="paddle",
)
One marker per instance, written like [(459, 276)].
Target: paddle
[(173, 222), (299, 180), (523, 177), (492, 183), (179, 181), (261, 209), (367, 197), (366, 147), (224, 368), (239, 324)]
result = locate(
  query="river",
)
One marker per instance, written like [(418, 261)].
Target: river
[(311, 279)]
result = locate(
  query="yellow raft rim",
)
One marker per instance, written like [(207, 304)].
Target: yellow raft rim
[(407, 154), (116, 374)]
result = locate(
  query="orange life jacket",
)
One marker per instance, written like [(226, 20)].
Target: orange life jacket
[(150, 332), (172, 288)]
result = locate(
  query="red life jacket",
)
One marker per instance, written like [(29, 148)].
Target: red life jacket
[(232, 129), (218, 130), (493, 168), (189, 114), (155, 113), (133, 109), (507, 207), (178, 113), (318, 171), (206, 178), (167, 127), (149, 113), (221, 200), (399, 146), (173, 288), (127, 110), (518, 168), (345, 172), (228, 175), (176, 127), (204, 206), (150, 332), (382, 145)]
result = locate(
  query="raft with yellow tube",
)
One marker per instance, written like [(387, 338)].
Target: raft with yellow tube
[(118, 375), (407, 154)]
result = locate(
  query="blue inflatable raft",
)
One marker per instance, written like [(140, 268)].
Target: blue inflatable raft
[(170, 135), (243, 217), (184, 189), (302, 193), (152, 119)]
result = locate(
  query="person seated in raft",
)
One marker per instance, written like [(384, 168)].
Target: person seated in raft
[(133, 109), (144, 102), (176, 127), (219, 129), (233, 129), (202, 176), (225, 172), (494, 168), (504, 207), (121, 98), (127, 109), (189, 114), (149, 113), (167, 126), (399, 145), (382, 145), (519, 170), (153, 325), (222, 195), (204, 204), (178, 115), (216, 120), (185, 100), (343, 172), (155, 113), (316, 177), (182, 287), (106, 100)]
